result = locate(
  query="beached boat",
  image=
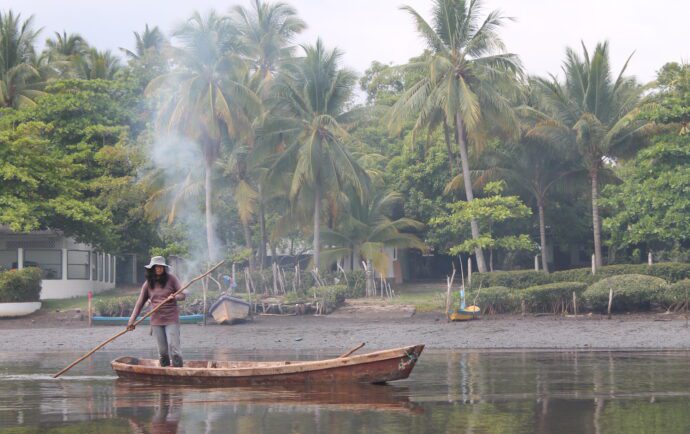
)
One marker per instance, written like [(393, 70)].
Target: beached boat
[(122, 320), (229, 310), (376, 367), (466, 313)]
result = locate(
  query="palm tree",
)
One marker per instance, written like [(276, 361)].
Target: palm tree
[(150, 40), (367, 228), (66, 46), (595, 114), (266, 32), (20, 80), (467, 76), (312, 97), (96, 64), (202, 99)]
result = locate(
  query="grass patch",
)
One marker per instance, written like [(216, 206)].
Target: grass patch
[(425, 297), (83, 302)]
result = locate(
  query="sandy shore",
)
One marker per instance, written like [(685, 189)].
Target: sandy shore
[(379, 330)]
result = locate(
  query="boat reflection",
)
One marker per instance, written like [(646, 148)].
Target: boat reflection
[(133, 395)]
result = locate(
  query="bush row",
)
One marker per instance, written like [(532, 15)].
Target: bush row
[(520, 279), (18, 286), (631, 292)]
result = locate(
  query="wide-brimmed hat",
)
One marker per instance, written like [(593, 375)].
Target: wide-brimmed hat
[(157, 260)]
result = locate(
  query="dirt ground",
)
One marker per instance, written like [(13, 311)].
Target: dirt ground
[(380, 327)]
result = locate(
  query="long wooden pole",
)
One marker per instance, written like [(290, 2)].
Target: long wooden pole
[(351, 351), (107, 341)]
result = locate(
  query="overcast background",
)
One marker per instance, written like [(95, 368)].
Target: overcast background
[(370, 30)]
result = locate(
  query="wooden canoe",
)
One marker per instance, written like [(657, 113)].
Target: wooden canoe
[(229, 310), (376, 367)]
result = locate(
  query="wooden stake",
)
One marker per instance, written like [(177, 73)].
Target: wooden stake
[(170, 298), (574, 303), (610, 301), (449, 282), (88, 310), (686, 306)]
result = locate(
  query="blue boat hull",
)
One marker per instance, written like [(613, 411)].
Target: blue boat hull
[(122, 320)]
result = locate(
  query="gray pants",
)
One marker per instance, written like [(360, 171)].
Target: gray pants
[(167, 339)]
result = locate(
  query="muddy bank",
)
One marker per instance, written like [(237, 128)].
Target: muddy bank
[(337, 332)]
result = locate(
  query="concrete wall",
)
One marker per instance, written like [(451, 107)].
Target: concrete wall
[(64, 287)]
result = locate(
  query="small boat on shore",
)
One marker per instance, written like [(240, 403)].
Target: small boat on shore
[(229, 310), (122, 320), (376, 367), (466, 313)]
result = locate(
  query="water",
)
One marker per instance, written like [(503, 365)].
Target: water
[(448, 392)]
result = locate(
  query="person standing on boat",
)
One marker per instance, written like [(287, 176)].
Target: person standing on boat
[(165, 322)]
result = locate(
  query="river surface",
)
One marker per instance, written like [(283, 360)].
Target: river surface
[(448, 392)]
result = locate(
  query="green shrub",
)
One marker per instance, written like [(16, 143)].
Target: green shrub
[(552, 297), (18, 286), (630, 292), (674, 297), (330, 297), (511, 279), (495, 299), (121, 306), (669, 271)]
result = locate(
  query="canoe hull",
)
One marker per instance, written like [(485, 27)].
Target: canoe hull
[(377, 367), (229, 310)]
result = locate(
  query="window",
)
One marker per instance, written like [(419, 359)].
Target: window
[(94, 265), (8, 259), (77, 264), (49, 261)]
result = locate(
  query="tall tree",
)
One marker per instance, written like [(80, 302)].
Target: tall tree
[(266, 31), (467, 84), (595, 114), (202, 99), (20, 80), (151, 40), (66, 46), (312, 98), (95, 64)]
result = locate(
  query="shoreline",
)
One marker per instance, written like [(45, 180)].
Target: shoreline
[(293, 333)]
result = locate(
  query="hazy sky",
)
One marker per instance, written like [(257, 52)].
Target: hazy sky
[(376, 30)]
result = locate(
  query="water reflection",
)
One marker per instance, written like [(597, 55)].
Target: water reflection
[(471, 392)]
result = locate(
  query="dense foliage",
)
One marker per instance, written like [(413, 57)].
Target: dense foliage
[(18, 286), (228, 140)]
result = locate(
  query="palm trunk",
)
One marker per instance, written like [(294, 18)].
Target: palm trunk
[(248, 243), (317, 225), (262, 229), (449, 149), (210, 241), (464, 159), (542, 236), (594, 174)]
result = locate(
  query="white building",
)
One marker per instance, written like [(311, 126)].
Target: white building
[(70, 269)]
